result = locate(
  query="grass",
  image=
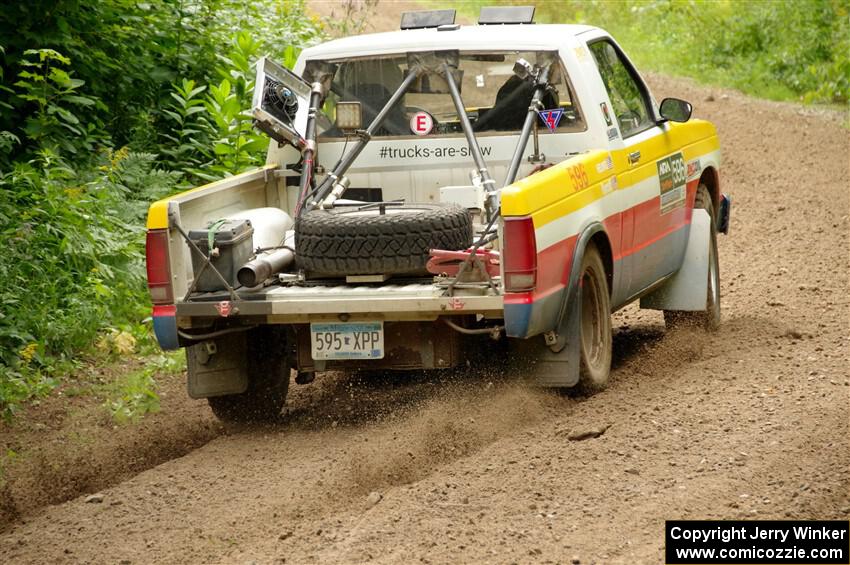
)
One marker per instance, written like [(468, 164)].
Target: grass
[(132, 395), (780, 50)]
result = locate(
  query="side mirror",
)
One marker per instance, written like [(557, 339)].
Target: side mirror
[(675, 110)]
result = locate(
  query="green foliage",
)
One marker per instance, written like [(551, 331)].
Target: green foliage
[(780, 49), (54, 124), (77, 80), (182, 147), (134, 395), (231, 143), (72, 260)]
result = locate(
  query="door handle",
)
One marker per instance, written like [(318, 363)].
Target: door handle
[(634, 157)]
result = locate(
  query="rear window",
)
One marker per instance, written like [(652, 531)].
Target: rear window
[(494, 98)]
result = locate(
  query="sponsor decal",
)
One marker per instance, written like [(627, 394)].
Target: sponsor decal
[(421, 123), (613, 134), (694, 168), (609, 185), (456, 304), (551, 117), (606, 114), (416, 151), (672, 176), (581, 53), (605, 165)]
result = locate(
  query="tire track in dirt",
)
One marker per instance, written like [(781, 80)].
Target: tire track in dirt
[(68, 445)]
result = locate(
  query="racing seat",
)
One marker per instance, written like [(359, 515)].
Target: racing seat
[(512, 101)]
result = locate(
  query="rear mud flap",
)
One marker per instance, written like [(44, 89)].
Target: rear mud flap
[(219, 367), (558, 364), (687, 289), (555, 369)]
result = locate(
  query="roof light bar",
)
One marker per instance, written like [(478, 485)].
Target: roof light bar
[(427, 18), (493, 15)]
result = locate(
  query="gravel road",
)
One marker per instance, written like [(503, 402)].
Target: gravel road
[(751, 422)]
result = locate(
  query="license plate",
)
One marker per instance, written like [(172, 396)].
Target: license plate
[(355, 340)]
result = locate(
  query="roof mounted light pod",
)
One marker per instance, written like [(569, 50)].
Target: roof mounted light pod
[(427, 18), (493, 15)]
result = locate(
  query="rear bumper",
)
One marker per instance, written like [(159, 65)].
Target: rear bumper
[(165, 327), (289, 305)]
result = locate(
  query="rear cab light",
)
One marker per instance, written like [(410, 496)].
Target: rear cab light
[(519, 254)]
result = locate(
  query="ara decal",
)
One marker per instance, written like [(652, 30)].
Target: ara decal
[(551, 118)]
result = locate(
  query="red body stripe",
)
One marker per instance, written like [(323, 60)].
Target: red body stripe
[(553, 263)]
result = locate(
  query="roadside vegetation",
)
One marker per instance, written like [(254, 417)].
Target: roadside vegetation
[(104, 107), (796, 50)]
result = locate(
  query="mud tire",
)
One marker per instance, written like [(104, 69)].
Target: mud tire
[(709, 319), (596, 339), (269, 365), (348, 241)]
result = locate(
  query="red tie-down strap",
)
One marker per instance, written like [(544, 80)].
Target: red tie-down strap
[(444, 262)]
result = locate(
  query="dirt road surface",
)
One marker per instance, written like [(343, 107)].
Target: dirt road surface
[(476, 467)]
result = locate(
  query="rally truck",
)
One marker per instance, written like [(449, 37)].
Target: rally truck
[(425, 186)]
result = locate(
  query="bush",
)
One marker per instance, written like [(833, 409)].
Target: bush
[(72, 260), (781, 49), (79, 80), (784, 49)]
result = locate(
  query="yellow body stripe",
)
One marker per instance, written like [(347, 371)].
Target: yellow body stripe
[(564, 188)]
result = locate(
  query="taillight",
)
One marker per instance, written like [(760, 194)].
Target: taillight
[(159, 267), (519, 255)]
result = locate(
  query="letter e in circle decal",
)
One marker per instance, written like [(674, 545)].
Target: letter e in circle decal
[(421, 123)]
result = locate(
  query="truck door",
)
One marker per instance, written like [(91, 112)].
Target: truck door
[(652, 177)]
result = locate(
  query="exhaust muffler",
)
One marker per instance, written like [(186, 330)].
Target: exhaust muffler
[(254, 272)]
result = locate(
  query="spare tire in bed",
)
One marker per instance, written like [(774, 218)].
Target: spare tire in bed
[(386, 239)]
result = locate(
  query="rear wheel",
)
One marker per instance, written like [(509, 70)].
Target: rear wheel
[(596, 340), (269, 365), (708, 319)]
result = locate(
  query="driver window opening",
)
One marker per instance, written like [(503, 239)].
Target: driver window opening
[(627, 98)]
